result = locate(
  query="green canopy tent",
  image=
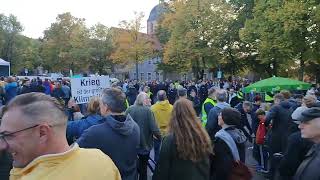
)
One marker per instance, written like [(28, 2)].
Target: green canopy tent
[(276, 84)]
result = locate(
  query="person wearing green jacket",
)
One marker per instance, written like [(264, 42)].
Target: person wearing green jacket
[(186, 149)]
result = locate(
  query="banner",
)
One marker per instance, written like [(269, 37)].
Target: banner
[(82, 89)]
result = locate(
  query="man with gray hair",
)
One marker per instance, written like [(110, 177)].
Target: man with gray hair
[(118, 136), (182, 93), (212, 126), (33, 130), (162, 113), (245, 122), (143, 116)]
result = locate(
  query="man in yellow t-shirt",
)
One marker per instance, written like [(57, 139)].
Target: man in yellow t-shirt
[(33, 130)]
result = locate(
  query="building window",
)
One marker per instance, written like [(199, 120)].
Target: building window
[(149, 61), (141, 76), (157, 76), (149, 76)]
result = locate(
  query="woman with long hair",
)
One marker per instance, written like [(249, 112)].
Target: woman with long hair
[(185, 151)]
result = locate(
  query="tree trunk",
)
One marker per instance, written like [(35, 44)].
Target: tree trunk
[(137, 70), (302, 67), (275, 68)]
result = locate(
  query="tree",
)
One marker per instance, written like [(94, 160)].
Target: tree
[(10, 27), (100, 48), (265, 39), (300, 27), (132, 46), (65, 44), (196, 28)]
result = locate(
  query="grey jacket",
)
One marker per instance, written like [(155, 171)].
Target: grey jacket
[(309, 168), (144, 117)]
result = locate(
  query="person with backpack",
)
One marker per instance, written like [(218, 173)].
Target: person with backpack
[(229, 148)]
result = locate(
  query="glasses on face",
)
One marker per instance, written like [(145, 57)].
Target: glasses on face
[(5, 135)]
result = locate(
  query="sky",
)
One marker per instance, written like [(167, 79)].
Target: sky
[(37, 15)]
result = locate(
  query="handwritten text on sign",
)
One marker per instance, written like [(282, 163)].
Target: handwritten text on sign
[(83, 89)]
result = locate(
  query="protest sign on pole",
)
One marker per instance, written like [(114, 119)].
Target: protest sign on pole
[(82, 89)]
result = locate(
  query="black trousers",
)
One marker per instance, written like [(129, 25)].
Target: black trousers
[(143, 166)]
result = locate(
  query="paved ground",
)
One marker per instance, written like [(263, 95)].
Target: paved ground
[(251, 163)]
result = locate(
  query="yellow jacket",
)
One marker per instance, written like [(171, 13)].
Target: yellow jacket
[(77, 163), (162, 113)]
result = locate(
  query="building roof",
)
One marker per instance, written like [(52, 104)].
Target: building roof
[(157, 11)]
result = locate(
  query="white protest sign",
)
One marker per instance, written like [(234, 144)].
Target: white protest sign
[(82, 89)]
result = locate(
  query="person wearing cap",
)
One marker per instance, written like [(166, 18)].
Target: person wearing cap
[(297, 146), (310, 129)]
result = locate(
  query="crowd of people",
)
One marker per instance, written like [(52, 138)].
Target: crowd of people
[(179, 130)]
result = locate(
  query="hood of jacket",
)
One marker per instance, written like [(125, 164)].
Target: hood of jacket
[(125, 127), (223, 105), (163, 105), (285, 104)]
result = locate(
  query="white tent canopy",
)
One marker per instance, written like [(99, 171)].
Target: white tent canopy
[(4, 63)]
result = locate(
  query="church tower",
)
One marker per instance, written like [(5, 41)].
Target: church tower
[(154, 16)]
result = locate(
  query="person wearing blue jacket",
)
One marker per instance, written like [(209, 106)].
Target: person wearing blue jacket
[(76, 128), (10, 89)]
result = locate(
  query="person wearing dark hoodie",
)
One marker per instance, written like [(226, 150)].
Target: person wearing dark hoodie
[(118, 136), (11, 89), (224, 155), (212, 126), (279, 117)]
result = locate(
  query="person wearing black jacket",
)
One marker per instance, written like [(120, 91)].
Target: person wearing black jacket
[(310, 129), (5, 165), (203, 92), (280, 117), (172, 93), (294, 155), (26, 88), (185, 151), (195, 101), (229, 119)]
